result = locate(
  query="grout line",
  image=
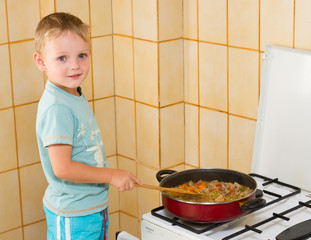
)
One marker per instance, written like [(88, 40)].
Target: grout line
[(40, 17), (259, 57), (227, 40), (39, 162), (135, 103), (294, 22), (129, 215), (113, 73), (102, 36), (14, 115), (159, 84), (91, 58), (115, 105), (198, 69), (133, 73), (21, 41), (183, 71)]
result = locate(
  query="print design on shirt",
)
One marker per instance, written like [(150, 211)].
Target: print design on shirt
[(94, 136), (98, 154)]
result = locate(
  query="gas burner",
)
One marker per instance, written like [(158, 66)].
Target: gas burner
[(197, 228), (274, 216)]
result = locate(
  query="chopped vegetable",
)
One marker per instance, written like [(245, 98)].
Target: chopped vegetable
[(214, 191)]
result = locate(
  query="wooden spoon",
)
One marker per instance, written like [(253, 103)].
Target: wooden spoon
[(165, 189)]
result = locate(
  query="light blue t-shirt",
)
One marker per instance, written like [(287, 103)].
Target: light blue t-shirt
[(63, 118)]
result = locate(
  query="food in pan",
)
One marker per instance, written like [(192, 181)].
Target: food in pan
[(214, 191)]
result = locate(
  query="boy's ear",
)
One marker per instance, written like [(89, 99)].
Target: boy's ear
[(39, 61)]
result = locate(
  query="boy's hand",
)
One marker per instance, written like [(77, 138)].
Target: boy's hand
[(123, 180)]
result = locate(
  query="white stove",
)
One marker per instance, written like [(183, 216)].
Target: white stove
[(282, 150), (286, 206)]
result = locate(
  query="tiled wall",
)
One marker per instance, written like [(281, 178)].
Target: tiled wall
[(174, 84), (22, 182)]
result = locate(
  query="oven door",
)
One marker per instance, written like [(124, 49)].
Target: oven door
[(151, 231)]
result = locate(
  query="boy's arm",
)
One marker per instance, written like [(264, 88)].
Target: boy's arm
[(65, 168)]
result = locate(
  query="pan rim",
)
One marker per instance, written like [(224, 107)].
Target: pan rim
[(211, 169)]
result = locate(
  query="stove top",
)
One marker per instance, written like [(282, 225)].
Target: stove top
[(286, 206)]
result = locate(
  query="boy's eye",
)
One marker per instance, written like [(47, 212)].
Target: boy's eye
[(82, 55), (62, 58)]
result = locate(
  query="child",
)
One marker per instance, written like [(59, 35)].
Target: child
[(69, 140)]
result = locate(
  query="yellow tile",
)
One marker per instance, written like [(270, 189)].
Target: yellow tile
[(191, 135), (243, 23), (33, 185), (15, 234), (213, 139), (122, 16), (243, 82), (46, 7), (147, 125), (114, 202), (139, 230), (3, 23), (113, 225), (147, 198), (191, 71), (5, 83), (102, 67), (171, 72), (26, 134), (303, 24), (35, 231), (23, 68), (276, 23), (105, 117), (125, 113), (7, 147), (129, 224), (190, 25), (10, 211), (241, 142), (148, 176), (128, 199), (23, 19), (213, 21), (79, 8), (172, 135), (123, 65), (145, 19), (213, 76), (112, 163), (179, 168), (189, 167), (170, 19), (101, 18), (146, 72)]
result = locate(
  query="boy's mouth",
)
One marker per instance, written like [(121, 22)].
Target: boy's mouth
[(75, 75)]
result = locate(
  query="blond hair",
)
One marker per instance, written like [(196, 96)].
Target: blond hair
[(55, 24)]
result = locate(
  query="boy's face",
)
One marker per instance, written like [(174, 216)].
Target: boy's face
[(66, 60)]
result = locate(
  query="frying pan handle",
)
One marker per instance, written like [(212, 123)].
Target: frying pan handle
[(163, 174), (253, 204)]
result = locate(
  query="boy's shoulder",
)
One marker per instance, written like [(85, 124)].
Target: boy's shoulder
[(51, 97)]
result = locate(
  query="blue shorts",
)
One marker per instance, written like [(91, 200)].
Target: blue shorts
[(91, 227)]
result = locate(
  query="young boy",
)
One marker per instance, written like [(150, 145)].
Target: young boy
[(69, 140)]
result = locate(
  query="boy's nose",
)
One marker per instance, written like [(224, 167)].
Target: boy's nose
[(74, 65)]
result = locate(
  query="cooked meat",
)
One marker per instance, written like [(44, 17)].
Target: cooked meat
[(214, 191)]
